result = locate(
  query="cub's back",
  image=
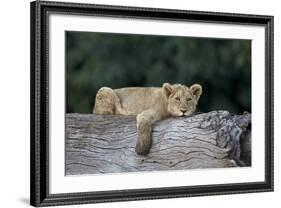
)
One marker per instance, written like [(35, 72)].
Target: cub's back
[(138, 99)]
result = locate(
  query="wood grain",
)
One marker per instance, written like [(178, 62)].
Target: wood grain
[(106, 144)]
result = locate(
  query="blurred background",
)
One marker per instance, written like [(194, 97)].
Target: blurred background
[(221, 66)]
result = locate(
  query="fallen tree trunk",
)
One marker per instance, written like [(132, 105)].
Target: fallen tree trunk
[(106, 143)]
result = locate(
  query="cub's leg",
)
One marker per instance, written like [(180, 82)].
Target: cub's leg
[(144, 125), (107, 102)]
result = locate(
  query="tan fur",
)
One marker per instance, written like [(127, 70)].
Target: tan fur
[(148, 104)]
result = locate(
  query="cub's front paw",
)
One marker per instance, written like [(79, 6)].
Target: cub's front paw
[(143, 146)]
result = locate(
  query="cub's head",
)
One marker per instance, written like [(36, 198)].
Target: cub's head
[(181, 100)]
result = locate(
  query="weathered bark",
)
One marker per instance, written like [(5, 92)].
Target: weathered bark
[(106, 143)]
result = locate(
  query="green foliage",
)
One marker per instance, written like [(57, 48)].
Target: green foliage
[(221, 66)]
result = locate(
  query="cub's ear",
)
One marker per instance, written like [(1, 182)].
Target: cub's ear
[(196, 90), (168, 89)]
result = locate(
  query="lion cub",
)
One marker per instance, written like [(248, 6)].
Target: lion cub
[(148, 104)]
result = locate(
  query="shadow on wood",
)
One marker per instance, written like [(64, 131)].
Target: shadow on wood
[(106, 143)]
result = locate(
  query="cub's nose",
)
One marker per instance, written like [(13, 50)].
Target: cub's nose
[(183, 111)]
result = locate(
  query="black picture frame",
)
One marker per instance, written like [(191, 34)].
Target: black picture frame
[(39, 156)]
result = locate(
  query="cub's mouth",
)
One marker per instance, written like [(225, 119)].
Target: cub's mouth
[(180, 115)]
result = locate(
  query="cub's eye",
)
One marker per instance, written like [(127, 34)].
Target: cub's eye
[(188, 99), (177, 99)]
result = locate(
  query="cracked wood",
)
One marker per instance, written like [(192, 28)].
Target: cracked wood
[(106, 143)]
